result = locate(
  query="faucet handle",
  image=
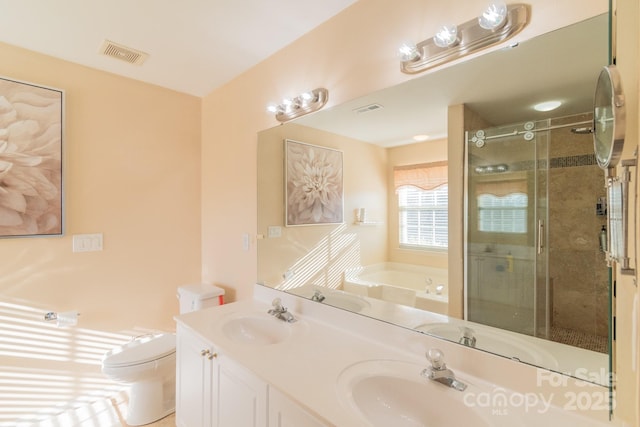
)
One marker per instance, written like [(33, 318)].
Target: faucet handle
[(467, 332), (436, 357), (277, 304)]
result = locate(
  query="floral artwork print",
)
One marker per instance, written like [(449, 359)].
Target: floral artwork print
[(314, 192), (30, 160)]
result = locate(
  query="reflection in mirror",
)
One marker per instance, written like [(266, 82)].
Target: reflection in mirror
[(534, 261), (373, 263)]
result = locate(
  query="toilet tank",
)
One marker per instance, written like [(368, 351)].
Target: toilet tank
[(198, 296)]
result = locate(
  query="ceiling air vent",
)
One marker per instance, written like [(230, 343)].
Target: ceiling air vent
[(123, 53), (368, 108)]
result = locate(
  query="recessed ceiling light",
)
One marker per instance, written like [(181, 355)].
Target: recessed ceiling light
[(420, 137), (547, 106)]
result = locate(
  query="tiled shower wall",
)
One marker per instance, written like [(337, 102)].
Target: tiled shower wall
[(577, 267)]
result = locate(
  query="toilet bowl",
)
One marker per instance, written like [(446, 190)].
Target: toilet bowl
[(147, 365)]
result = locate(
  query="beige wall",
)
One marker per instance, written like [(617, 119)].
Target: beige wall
[(132, 172), (333, 247)]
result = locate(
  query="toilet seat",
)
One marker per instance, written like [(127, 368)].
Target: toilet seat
[(141, 351)]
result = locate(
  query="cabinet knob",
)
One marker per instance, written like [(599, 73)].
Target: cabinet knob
[(212, 355), (204, 352)]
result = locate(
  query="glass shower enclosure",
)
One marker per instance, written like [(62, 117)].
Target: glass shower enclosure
[(535, 205), (506, 262)]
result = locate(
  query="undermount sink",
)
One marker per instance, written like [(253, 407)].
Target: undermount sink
[(507, 344), (346, 301), (259, 329), (394, 393)]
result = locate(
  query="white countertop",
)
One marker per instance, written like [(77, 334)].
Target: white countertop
[(306, 367)]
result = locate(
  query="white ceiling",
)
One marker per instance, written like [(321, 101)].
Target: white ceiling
[(194, 46)]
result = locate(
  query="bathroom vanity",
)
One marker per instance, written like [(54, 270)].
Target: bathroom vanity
[(239, 365)]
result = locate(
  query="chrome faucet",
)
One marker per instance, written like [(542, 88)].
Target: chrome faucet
[(280, 312), (467, 337), (439, 372), (428, 281), (317, 296)]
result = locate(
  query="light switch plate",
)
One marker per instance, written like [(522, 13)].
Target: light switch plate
[(87, 242), (274, 231)]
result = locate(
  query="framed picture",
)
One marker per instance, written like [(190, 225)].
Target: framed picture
[(31, 121), (313, 184)]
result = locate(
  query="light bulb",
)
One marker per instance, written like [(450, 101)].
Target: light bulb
[(307, 96), (447, 36), (408, 51), (494, 16), (272, 108), (305, 99)]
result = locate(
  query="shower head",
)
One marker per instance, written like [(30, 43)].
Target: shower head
[(582, 131)]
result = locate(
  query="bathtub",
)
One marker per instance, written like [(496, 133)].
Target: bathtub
[(407, 284)]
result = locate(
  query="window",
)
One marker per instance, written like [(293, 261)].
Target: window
[(502, 206), (506, 214), (422, 205)]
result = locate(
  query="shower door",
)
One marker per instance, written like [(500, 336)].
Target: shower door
[(506, 262)]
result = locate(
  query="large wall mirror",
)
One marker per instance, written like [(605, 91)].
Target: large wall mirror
[(536, 281)]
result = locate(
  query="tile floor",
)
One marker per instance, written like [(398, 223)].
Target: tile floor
[(120, 408), (108, 412)]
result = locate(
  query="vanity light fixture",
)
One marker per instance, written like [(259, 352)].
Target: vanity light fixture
[(497, 23), (489, 169), (305, 103)]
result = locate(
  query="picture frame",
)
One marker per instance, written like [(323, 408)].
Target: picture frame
[(31, 175), (314, 187)]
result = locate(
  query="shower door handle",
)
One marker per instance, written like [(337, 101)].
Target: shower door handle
[(540, 244)]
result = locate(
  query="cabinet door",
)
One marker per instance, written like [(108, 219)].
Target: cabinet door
[(193, 380), (283, 412), (240, 397)]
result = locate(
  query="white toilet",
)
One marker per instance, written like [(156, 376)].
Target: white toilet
[(147, 364)]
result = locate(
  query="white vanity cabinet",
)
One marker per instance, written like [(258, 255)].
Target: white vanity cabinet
[(195, 385), (283, 412), (215, 391), (240, 398)]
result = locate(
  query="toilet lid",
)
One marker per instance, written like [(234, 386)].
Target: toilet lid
[(141, 351)]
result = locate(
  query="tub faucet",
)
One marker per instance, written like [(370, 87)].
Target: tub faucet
[(317, 296), (280, 312), (439, 372), (467, 337)]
